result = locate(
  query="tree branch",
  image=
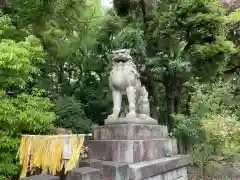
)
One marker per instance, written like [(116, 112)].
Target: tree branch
[(232, 70), (143, 8)]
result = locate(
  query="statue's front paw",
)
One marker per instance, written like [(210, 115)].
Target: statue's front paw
[(112, 116), (131, 115), (144, 116)]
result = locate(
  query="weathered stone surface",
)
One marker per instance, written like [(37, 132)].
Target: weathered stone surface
[(115, 170), (152, 168), (124, 80), (181, 178), (131, 151), (231, 5), (157, 177), (130, 132), (136, 152), (176, 174), (183, 172), (41, 177), (93, 163), (84, 173), (131, 120)]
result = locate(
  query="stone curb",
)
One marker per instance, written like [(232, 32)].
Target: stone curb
[(152, 168)]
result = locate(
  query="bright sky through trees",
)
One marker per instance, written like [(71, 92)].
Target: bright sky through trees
[(107, 3)]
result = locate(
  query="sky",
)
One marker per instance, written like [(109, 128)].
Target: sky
[(107, 3)]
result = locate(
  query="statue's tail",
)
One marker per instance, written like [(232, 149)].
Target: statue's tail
[(143, 102)]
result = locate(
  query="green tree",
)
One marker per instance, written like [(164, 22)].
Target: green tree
[(20, 112), (73, 63), (178, 40), (67, 31), (213, 127), (71, 115)]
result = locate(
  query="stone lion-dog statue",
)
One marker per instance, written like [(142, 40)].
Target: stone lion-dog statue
[(124, 79)]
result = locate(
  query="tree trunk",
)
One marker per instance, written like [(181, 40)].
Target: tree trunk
[(177, 104), (170, 106), (143, 8), (150, 87), (153, 107), (188, 112), (181, 145), (173, 96), (152, 100), (60, 78)]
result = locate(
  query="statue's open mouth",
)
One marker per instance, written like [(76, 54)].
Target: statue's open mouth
[(119, 60)]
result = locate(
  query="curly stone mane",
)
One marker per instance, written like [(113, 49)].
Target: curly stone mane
[(125, 80)]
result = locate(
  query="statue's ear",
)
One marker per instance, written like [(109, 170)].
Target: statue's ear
[(110, 56), (114, 51), (128, 51)]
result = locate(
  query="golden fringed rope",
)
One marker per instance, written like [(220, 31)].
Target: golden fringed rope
[(46, 152), (25, 142), (77, 144)]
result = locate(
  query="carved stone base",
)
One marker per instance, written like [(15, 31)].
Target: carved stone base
[(141, 119), (131, 151), (130, 132), (136, 149), (167, 168)]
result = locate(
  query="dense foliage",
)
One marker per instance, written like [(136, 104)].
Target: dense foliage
[(21, 112), (70, 115), (54, 68)]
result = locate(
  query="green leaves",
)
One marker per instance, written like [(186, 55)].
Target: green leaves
[(70, 115), (234, 16), (130, 37), (16, 60), (213, 126), (20, 113), (8, 150), (221, 45), (5, 24), (27, 114), (201, 26)]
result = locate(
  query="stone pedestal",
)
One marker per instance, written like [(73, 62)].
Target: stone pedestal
[(84, 173), (41, 177), (143, 147), (141, 119)]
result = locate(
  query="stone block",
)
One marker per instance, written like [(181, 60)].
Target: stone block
[(171, 175), (84, 173), (93, 163), (131, 120), (115, 170), (182, 172), (157, 177), (181, 178), (41, 177), (131, 151), (130, 132), (144, 170)]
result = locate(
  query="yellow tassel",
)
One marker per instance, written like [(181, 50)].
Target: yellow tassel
[(76, 146), (25, 142), (47, 152)]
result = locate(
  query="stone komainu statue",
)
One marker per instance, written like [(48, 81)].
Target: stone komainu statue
[(125, 80)]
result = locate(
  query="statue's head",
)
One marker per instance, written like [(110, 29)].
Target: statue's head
[(121, 55)]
